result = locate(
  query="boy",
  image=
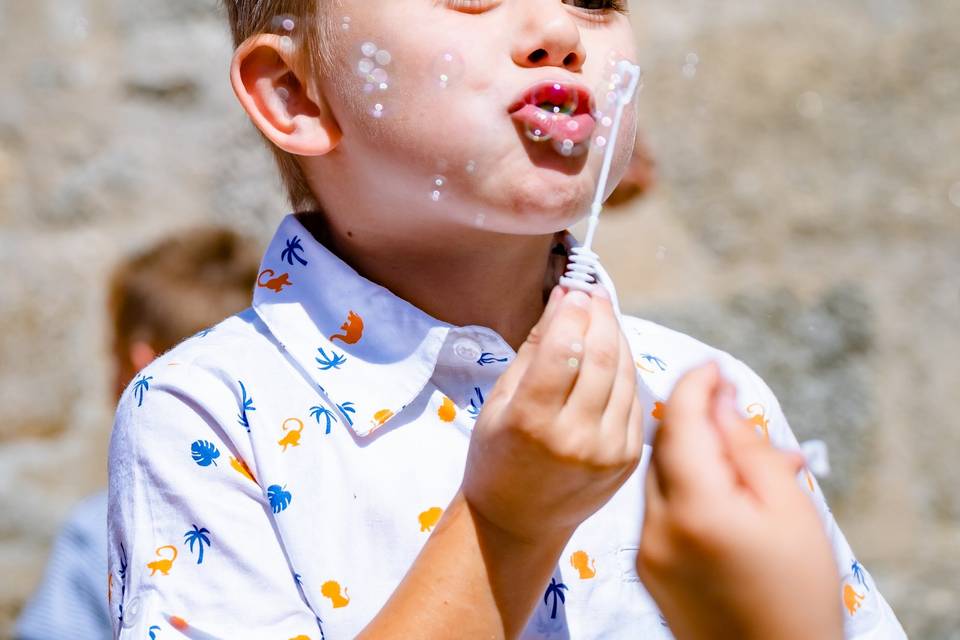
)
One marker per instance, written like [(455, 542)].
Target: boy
[(385, 444), (152, 306)]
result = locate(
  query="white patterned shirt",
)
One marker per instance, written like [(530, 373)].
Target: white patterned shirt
[(276, 475)]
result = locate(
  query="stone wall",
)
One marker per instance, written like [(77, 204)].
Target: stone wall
[(807, 219)]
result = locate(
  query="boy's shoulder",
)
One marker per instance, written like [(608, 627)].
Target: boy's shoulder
[(662, 355)]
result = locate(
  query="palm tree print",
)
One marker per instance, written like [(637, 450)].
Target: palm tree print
[(123, 581), (153, 632), (474, 409), (333, 361), (197, 535), (488, 358), (654, 360), (857, 569), (246, 404), (203, 333), (347, 408), (293, 246), (317, 411), (279, 499), (556, 590), (142, 384)]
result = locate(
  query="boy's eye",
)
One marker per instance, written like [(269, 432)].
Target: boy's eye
[(599, 5)]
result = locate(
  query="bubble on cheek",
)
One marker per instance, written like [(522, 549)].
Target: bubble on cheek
[(479, 220), (345, 23), (375, 79), (605, 98), (447, 69), (471, 167), (437, 185)]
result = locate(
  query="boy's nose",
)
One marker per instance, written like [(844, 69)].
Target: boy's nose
[(548, 36)]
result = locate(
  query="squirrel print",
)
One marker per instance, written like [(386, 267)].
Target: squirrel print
[(352, 329), (163, 565), (292, 438), (274, 284)]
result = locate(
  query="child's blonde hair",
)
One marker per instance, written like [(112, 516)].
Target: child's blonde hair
[(311, 35)]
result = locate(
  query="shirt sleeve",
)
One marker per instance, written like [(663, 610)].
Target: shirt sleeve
[(192, 548), (867, 615), (71, 600)]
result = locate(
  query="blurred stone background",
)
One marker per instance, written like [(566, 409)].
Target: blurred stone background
[(807, 219)]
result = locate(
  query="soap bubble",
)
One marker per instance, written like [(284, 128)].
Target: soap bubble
[(479, 220), (539, 130), (284, 23), (376, 80), (446, 69), (437, 183), (568, 148), (471, 167), (345, 23)]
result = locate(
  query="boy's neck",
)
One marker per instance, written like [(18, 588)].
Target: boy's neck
[(491, 280)]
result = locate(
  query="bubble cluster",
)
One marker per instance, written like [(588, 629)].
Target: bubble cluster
[(437, 183), (446, 69), (371, 68), (552, 121), (345, 23), (605, 100)]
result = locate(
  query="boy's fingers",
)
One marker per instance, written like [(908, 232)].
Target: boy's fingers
[(601, 366), (555, 363), (764, 470), (511, 377), (687, 450)]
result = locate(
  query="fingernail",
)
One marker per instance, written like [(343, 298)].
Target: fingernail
[(555, 294), (579, 298), (728, 401)]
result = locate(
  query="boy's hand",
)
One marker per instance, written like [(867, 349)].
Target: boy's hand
[(562, 428), (731, 545)]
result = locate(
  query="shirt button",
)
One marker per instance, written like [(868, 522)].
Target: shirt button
[(467, 349)]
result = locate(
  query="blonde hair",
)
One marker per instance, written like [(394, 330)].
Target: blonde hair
[(311, 36)]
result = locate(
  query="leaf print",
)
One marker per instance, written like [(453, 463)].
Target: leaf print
[(153, 631), (142, 384), (123, 582), (204, 453), (447, 411), (329, 416), (246, 404), (474, 409), (347, 408), (290, 253), (241, 466), (279, 499), (197, 535), (333, 361), (488, 358)]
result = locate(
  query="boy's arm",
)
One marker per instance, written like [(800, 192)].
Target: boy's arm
[(192, 548), (470, 580), (866, 613)]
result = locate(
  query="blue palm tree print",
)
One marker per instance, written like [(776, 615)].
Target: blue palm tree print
[(857, 569), (556, 590), (317, 411), (123, 581), (488, 358), (197, 535), (347, 408), (153, 632), (203, 333), (279, 499), (654, 360), (290, 253), (142, 384), (246, 404), (333, 361), (475, 406)]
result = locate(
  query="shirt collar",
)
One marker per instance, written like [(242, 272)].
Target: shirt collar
[(346, 333)]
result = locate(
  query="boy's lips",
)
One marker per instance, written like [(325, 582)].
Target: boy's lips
[(554, 109)]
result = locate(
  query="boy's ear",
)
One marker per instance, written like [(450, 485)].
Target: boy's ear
[(279, 103)]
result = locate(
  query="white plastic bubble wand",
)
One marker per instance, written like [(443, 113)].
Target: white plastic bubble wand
[(582, 268)]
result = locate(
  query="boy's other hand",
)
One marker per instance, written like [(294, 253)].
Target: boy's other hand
[(731, 546), (562, 428)]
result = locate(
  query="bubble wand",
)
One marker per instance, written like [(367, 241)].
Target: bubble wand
[(582, 269)]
